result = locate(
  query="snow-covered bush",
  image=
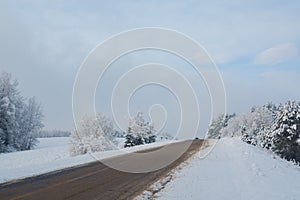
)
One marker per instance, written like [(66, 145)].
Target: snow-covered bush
[(20, 119), (139, 131), (93, 134)]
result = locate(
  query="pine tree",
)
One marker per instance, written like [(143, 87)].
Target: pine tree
[(139, 132), (286, 132), (129, 142), (150, 134)]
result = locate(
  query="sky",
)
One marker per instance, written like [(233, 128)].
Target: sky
[(255, 45)]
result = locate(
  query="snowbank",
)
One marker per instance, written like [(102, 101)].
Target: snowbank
[(234, 170)]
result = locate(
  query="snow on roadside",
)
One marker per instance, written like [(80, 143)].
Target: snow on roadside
[(232, 170), (159, 185), (52, 154)]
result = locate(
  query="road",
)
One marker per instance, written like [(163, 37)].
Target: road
[(97, 181)]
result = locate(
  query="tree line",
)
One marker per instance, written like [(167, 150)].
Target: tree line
[(276, 128)]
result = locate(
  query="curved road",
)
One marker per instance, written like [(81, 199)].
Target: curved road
[(97, 181)]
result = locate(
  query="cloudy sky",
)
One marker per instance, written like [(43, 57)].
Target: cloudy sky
[(255, 44)]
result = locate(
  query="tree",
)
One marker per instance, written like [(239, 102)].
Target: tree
[(8, 97), (139, 132), (268, 126), (285, 135), (130, 139), (250, 126), (218, 124), (93, 134), (29, 122), (19, 119), (264, 137)]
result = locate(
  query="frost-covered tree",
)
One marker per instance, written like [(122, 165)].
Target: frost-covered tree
[(8, 99), (93, 134), (285, 134), (217, 125), (139, 132), (19, 119), (262, 138), (250, 126), (29, 122), (271, 127)]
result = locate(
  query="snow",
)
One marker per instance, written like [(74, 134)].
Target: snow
[(233, 170), (53, 154)]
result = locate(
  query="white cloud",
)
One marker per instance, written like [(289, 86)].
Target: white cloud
[(276, 54)]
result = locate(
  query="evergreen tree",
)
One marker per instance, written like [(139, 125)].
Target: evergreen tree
[(286, 132), (139, 132), (130, 140), (150, 134)]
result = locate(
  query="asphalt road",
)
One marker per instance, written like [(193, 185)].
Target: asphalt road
[(97, 181)]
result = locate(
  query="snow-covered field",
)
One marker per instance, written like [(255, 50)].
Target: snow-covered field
[(53, 154), (232, 170)]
